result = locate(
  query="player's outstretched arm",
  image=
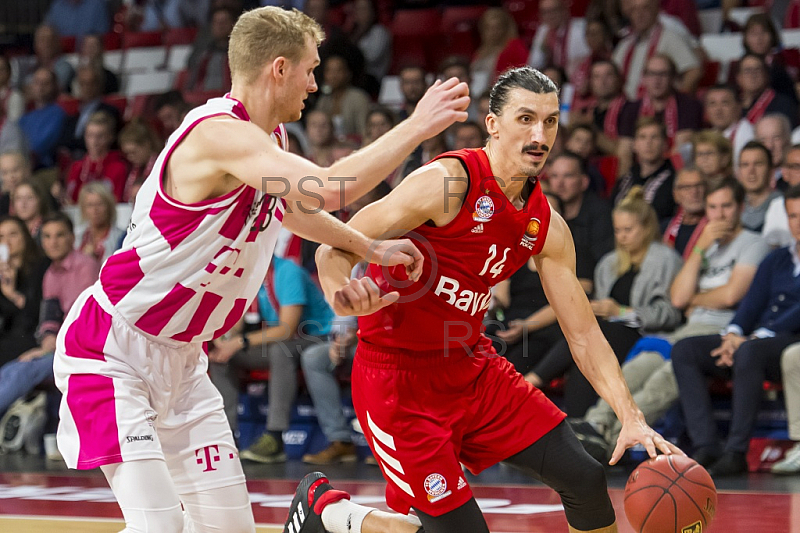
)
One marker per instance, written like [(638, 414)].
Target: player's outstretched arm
[(589, 347), (432, 192), (243, 150)]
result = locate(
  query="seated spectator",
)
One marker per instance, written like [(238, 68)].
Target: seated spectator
[(760, 37), (208, 63), (500, 48), (322, 363), (21, 273), (557, 74), (774, 132), (652, 170), (170, 109), (683, 230), (680, 113), (749, 352), (296, 317), (11, 136), (754, 173), (99, 235), (649, 36), (457, 66), (69, 274), (604, 109), (790, 370), (141, 146), (724, 114), (601, 44), (412, 85), (379, 121), (559, 39), (12, 103), (468, 135), (76, 18), (31, 204), (90, 86), (757, 97), (582, 141), (100, 162), (347, 105), (47, 55), (91, 54), (373, 38), (160, 15), (15, 167), (319, 132), (587, 215), (44, 124), (776, 224), (630, 297), (712, 154), (708, 286)]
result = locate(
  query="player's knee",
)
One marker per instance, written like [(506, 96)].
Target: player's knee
[(586, 502), (591, 480), (231, 521), (148, 521)]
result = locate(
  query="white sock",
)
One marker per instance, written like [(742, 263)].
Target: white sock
[(344, 516)]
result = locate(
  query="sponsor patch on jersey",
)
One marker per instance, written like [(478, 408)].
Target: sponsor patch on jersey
[(478, 228), (461, 483), (436, 487), (150, 417), (531, 233), (484, 209)]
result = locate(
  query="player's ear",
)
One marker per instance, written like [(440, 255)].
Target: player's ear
[(491, 125), (279, 67)]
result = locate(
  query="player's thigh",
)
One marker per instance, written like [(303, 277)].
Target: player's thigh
[(197, 440)]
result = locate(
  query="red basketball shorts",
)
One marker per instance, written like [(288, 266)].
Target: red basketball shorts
[(426, 414)]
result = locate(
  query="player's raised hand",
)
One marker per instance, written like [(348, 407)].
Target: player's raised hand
[(361, 297), (636, 431), (397, 252), (444, 103)]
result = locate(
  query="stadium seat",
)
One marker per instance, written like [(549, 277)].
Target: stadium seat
[(175, 36), (112, 41), (117, 100), (461, 18), (67, 44), (526, 14), (607, 165), (177, 56), (723, 47), (69, 104), (144, 59), (141, 39), (710, 74), (417, 38), (410, 22), (147, 82)]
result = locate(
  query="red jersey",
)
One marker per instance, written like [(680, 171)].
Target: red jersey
[(487, 241)]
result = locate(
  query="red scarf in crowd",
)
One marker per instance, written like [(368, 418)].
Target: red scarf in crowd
[(558, 43), (671, 233), (611, 121), (655, 37), (670, 114), (760, 107)]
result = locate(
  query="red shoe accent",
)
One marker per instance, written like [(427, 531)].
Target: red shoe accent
[(332, 496), (313, 488)]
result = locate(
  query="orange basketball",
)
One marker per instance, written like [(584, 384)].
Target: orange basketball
[(670, 494)]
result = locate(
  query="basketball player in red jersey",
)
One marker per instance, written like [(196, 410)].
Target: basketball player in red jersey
[(428, 389)]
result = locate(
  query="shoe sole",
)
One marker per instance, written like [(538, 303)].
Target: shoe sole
[(346, 459), (263, 459)]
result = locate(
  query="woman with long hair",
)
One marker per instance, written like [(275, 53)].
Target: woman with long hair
[(22, 268), (500, 48), (99, 236), (140, 144), (372, 38), (631, 296), (31, 204)]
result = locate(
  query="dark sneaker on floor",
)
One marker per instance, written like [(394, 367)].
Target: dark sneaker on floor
[(594, 443), (730, 464), (337, 452), (312, 495), (266, 449), (706, 456)]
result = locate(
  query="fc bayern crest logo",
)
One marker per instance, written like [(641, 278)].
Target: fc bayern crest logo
[(435, 484), (484, 209)]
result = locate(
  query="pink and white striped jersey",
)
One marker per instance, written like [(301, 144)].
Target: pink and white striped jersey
[(188, 272)]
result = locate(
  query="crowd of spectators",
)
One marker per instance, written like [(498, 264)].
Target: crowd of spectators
[(682, 194)]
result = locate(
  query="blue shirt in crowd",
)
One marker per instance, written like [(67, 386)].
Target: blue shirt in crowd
[(78, 18), (42, 127), (772, 304), (293, 286)]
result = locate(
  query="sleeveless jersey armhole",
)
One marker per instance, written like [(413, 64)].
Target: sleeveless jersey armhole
[(429, 223)]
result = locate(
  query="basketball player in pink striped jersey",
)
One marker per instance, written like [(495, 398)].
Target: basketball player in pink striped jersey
[(130, 360)]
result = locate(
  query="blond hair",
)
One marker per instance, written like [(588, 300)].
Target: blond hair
[(635, 204), (103, 118), (104, 192), (265, 33)]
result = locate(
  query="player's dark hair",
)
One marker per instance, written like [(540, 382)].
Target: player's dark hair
[(60, 218), (527, 78), (727, 182)]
